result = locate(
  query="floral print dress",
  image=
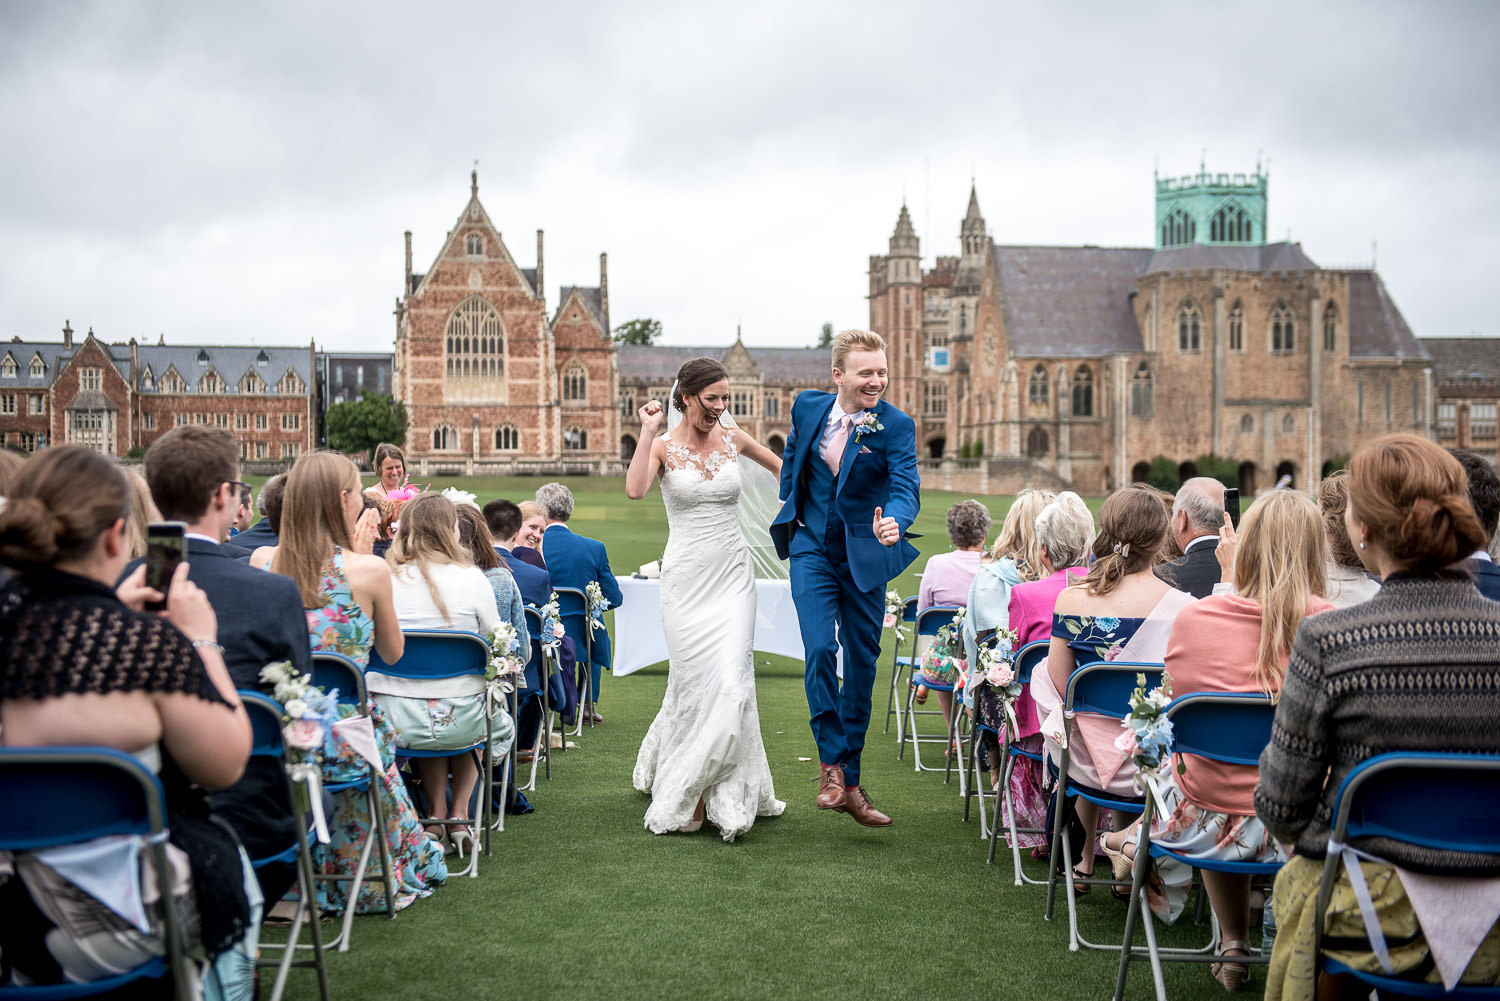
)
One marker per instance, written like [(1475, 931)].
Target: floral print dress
[(343, 627)]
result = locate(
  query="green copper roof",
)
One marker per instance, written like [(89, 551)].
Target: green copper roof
[(1214, 209)]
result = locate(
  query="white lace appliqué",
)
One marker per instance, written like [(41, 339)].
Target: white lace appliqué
[(708, 466)]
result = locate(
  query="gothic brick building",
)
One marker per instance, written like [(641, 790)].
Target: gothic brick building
[(1080, 365), (491, 383)]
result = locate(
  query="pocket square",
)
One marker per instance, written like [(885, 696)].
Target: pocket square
[(864, 450)]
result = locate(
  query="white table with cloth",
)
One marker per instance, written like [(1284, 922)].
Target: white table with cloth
[(639, 641)]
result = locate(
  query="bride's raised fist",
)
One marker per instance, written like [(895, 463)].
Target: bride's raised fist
[(650, 415)]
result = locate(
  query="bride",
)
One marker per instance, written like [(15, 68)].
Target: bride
[(703, 755)]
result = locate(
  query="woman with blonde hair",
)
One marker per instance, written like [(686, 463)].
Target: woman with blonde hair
[(142, 511), (435, 585), (1015, 557), (1348, 581), (1236, 641)]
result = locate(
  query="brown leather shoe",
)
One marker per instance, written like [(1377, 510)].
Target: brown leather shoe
[(857, 805), (831, 788)]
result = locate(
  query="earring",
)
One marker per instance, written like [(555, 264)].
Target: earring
[(1361, 543)]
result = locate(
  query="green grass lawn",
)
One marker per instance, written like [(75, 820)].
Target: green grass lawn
[(578, 901)]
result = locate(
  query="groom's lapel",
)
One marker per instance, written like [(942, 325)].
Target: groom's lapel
[(851, 452)]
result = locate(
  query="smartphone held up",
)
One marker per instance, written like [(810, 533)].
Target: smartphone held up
[(166, 547)]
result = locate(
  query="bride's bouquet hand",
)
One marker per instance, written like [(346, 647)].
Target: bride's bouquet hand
[(651, 416)]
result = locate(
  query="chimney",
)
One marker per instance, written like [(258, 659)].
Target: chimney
[(604, 289), (407, 289), (67, 336), (541, 289)]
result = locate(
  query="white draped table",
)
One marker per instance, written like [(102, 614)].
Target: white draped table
[(639, 641)]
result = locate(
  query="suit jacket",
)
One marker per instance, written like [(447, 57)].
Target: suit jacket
[(1486, 577), (535, 585), (575, 561), (1196, 571), (879, 469), (257, 535)]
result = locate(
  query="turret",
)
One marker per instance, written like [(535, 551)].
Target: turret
[(972, 233)]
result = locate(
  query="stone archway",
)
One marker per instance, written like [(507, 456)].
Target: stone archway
[(1286, 469), (1186, 470), (1247, 479), (936, 446), (1140, 472), (627, 446), (776, 443)]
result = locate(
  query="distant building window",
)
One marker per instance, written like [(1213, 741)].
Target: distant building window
[(1177, 229), (935, 399), (290, 385), (261, 361), (172, 383), (338, 373), (445, 438), (1283, 330), (8, 367), (37, 369), (1288, 424), (93, 429), (90, 379), (148, 382), (1330, 327), (1036, 388), (1237, 327), (36, 405), (7, 403), (474, 245), (575, 383), (1083, 392), (211, 383), (289, 450), (508, 438), (200, 418), (221, 420), (772, 406), (262, 422), (1247, 424), (475, 341), (148, 421), (1142, 392), (1231, 225), (1038, 444), (575, 439), (261, 449), (252, 383), (1482, 420), (241, 422), (742, 403), (291, 422), (1189, 327)]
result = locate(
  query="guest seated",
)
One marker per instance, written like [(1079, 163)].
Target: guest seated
[(1348, 581), (575, 561), (506, 523), (436, 585), (948, 576), (1484, 495), (527, 542), (1423, 681), (1012, 559), (347, 595), (1120, 611), (1197, 513), (1232, 642), (81, 663), (1060, 535), (390, 470), (265, 532), (474, 536)]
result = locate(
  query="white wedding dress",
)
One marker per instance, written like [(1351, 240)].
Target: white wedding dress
[(706, 740)]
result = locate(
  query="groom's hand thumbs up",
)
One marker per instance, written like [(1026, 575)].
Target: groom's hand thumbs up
[(887, 532)]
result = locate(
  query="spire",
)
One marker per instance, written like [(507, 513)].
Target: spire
[(474, 182), (972, 233), (973, 214), (904, 241)]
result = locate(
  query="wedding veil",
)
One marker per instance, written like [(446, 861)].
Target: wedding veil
[(760, 499)]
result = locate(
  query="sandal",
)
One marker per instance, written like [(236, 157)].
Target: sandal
[(1123, 865), (1231, 975), (462, 837)]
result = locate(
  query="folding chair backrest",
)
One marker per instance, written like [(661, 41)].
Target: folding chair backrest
[(332, 671), (909, 609), (1446, 801), (1232, 727), (534, 630), (436, 653), (76, 794), (571, 602), (265, 725), (1028, 657), (1104, 687), (929, 621)]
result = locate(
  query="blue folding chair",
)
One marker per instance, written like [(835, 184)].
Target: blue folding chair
[(1228, 727), (1027, 659), (539, 669), (265, 725), (1103, 689), (929, 621), (573, 606), (330, 672), (91, 792), (1444, 801), (450, 655), (908, 619)]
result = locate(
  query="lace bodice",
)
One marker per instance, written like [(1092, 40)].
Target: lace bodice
[(701, 494)]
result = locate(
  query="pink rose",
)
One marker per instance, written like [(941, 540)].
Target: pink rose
[(303, 734), (890, 621), (1113, 653), (1001, 675), (1126, 742), (559, 631)]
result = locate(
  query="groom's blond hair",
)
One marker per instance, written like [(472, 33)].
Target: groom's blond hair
[(855, 340)]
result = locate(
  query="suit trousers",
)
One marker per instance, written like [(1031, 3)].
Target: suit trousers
[(832, 612)]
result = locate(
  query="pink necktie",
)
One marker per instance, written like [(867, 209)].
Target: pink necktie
[(836, 441)]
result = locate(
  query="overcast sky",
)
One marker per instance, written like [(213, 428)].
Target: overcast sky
[(244, 172)]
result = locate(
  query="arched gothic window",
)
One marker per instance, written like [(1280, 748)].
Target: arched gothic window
[(1237, 327), (1083, 392), (474, 245), (575, 439), (1189, 327), (1247, 424), (445, 438), (1283, 330), (1038, 443), (1288, 424), (1330, 327), (575, 383), (1178, 229), (1036, 390), (1231, 225), (507, 438), (475, 341), (1142, 391)]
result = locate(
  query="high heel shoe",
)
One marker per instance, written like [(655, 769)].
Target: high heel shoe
[(1123, 865), (1231, 975), (462, 838)]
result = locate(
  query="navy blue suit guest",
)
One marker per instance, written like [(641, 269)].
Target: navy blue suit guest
[(1484, 497), (1197, 517), (265, 532), (849, 491), (193, 472), (575, 561)]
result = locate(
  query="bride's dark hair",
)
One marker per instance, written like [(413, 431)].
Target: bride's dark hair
[(693, 376)]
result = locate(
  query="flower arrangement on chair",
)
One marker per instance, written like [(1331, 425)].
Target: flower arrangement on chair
[(895, 606), (944, 660), (997, 660), (506, 666), (1148, 732), (598, 605), (307, 717), (552, 626)]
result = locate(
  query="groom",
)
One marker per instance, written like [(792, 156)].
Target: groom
[(849, 491)]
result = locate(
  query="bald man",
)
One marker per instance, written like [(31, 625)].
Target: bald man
[(1197, 516)]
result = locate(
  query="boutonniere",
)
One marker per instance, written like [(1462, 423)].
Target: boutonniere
[(866, 423)]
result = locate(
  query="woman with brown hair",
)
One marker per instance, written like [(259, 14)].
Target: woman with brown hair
[(390, 470), (1348, 581), (1120, 611), (82, 663), (1412, 669)]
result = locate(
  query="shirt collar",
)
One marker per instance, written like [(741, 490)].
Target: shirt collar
[(200, 537), (1202, 538), (1482, 555)]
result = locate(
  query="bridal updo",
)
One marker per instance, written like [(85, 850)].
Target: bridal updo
[(1414, 499), (693, 377), (58, 504)]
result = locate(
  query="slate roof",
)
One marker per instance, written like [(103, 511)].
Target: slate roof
[(1464, 358), (230, 362), (23, 352), (1196, 257), (530, 274), (1069, 302), (91, 399), (1377, 328), (658, 364), (592, 298)]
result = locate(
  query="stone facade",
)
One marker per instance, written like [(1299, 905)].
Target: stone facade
[(1466, 372), (1081, 365), (490, 383)]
